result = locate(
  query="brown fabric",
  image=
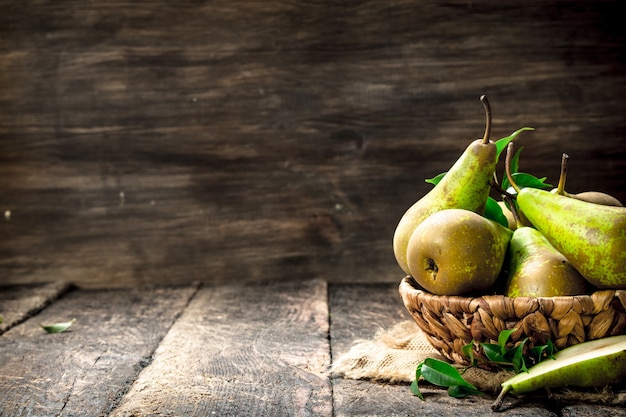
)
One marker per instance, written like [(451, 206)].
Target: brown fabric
[(393, 354)]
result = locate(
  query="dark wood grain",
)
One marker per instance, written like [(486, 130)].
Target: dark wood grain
[(87, 369), (177, 141), (241, 350)]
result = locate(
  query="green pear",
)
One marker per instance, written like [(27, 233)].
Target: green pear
[(537, 269), (466, 185), (457, 252), (594, 363), (591, 236), (596, 197)]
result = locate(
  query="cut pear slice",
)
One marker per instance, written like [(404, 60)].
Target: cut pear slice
[(589, 364)]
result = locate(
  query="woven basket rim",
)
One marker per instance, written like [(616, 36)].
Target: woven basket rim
[(408, 284)]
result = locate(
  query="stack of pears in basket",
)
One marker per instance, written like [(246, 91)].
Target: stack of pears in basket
[(538, 241)]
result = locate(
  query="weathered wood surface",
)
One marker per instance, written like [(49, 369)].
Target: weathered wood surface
[(87, 369), (241, 350), (153, 141), (256, 349)]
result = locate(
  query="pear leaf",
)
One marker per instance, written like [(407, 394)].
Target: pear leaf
[(468, 350), (443, 374), (503, 337), (516, 358), (550, 349), (436, 179), (494, 212), (415, 389), (493, 352), (460, 391), (524, 180), (58, 327), (501, 144)]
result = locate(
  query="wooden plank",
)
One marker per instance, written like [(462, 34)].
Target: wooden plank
[(85, 370), (17, 303), (241, 350), (358, 312), (137, 139)]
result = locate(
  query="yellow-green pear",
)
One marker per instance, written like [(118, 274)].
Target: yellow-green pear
[(595, 363), (537, 269), (591, 236), (596, 197), (457, 252), (466, 185)]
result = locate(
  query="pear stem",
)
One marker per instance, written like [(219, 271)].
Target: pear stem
[(497, 404), (487, 107), (560, 190), (494, 184), (516, 218), (507, 166)]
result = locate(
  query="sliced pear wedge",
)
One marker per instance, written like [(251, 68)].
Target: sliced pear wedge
[(595, 363)]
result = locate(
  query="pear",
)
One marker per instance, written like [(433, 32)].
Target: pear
[(457, 252), (594, 363), (537, 269), (591, 236), (596, 197), (466, 185)]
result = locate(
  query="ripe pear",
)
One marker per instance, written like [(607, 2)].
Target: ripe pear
[(596, 197), (537, 269), (457, 252), (591, 236), (466, 185), (594, 363)]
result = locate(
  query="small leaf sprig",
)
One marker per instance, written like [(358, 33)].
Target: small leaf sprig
[(440, 373)]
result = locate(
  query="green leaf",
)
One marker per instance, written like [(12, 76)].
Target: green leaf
[(503, 337), (415, 389), (501, 144), (460, 391), (493, 352), (537, 352), (443, 374), (524, 180), (58, 327), (550, 349), (435, 180), (494, 212), (468, 350), (516, 358)]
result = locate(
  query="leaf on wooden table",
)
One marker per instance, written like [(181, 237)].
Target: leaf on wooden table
[(57, 327)]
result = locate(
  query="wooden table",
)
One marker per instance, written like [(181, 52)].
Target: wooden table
[(261, 349)]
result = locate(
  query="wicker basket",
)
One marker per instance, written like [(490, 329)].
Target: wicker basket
[(450, 322)]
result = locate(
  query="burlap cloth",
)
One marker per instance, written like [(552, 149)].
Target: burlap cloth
[(393, 354)]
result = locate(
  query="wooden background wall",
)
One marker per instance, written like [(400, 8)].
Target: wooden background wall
[(169, 141)]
